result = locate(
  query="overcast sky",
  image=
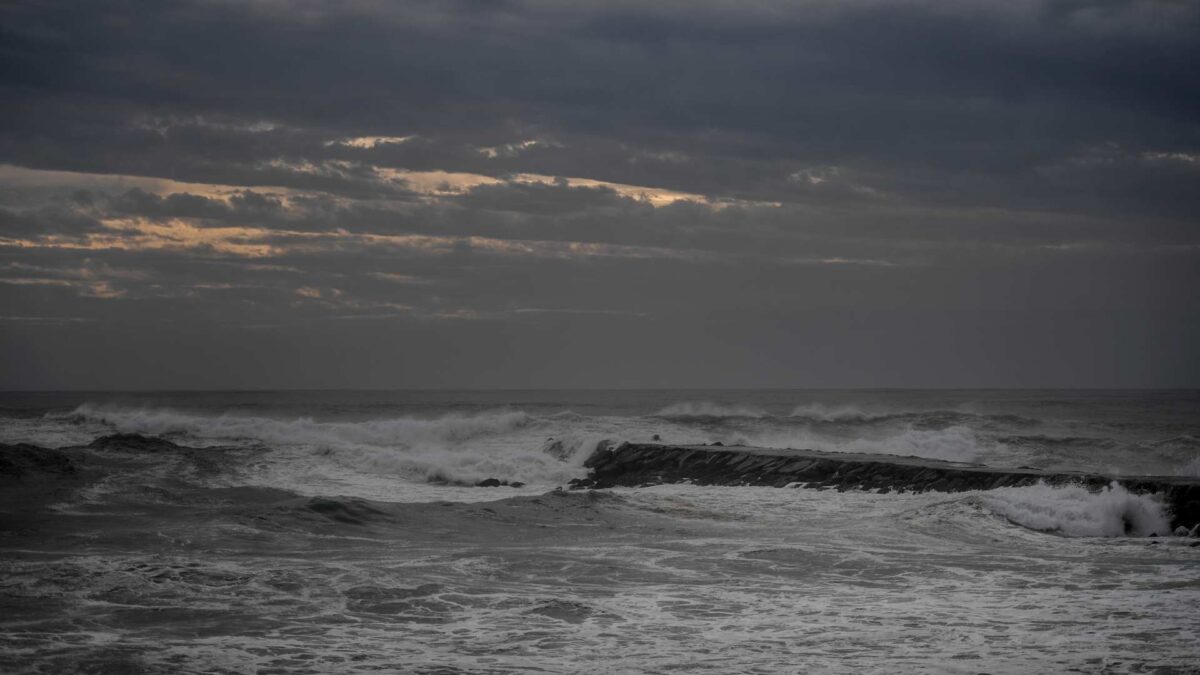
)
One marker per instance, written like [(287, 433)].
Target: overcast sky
[(522, 193)]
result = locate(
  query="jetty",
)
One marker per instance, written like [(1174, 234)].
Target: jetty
[(642, 464)]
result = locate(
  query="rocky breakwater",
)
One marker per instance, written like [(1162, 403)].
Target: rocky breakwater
[(640, 464)]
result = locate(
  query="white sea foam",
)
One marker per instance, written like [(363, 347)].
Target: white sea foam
[(1192, 468), (742, 579), (391, 432), (512, 444), (1075, 512), (506, 445), (956, 443), (827, 413), (755, 427), (48, 433)]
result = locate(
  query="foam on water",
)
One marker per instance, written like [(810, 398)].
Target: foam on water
[(957, 443), (350, 443), (366, 457), (725, 579), (827, 413), (1074, 511), (936, 434), (168, 573), (1192, 468), (387, 432)]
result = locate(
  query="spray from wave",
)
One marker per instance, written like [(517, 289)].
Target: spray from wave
[(932, 434), (954, 444), (824, 413), (1073, 511), (1191, 469), (393, 432), (506, 445)]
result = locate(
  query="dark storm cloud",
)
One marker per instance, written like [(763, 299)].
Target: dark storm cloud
[(534, 169), (943, 86)]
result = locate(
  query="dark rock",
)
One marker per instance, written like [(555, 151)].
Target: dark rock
[(719, 444), (489, 482), (516, 484), (656, 437)]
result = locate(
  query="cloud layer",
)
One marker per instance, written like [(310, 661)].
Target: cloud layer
[(524, 193)]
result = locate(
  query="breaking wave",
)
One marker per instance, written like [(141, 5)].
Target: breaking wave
[(954, 444), (548, 448), (946, 434), (1073, 511), (393, 432), (824, 413), (453, 448), (1191, 469), (820, 413)]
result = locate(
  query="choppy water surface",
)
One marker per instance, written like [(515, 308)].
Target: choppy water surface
[(340, 532)]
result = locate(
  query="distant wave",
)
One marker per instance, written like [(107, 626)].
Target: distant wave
[(454, 448), (938, 434), (819, 413), (1181, 442), (390, 432), (1073, 511), (549, 449), (825, 413), (1192, 468), (705, 409), (957, 444)]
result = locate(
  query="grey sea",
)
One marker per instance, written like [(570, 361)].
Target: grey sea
[(347, 532)]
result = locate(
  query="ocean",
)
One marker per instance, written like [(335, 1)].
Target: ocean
[(347, 531)]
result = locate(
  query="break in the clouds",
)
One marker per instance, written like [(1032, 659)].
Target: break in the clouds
[(525, 193)]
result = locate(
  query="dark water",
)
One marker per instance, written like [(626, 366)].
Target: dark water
[(340, 532)]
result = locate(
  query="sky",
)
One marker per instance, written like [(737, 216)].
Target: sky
[(266, 194)]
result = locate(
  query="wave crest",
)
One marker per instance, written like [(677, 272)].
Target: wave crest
[(455, 448), (1073, 511), (955, 444), (823, 413), (392, 432)]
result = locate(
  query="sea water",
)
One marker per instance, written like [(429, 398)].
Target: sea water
[(343, 532)]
